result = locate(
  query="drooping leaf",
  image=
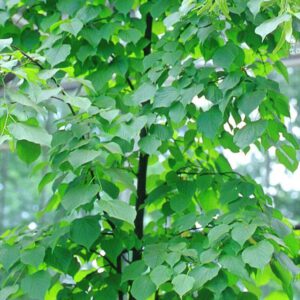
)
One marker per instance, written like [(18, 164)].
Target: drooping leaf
[(259, 255), (182, 284), (217, 232), (134, 270), (251, 101), (160, 275), (72, 26), (82, 156), (145, 92), (154, 255), (254, 6), (7, 291), (270, 25), (32, 134), (9, 255), (4, 43), (36, 284), (234, 265), (250, 133), (142, 288), (77, 195), (209, 122), (149, 144), (165, 96), (202, 274), (119, 210), (57, 54), (242, 232), (85, 231), (27, 151), (228, 56), (124, 6), (34, 256)]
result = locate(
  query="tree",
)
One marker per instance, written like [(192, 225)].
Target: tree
[(144, 204)]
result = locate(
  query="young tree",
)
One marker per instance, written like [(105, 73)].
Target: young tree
[(145, 96)]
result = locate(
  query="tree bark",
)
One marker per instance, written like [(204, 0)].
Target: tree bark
[(143, 161)]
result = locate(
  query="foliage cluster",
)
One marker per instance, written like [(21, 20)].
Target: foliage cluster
[(145, 204)]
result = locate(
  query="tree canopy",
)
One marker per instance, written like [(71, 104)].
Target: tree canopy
[(143, 97)]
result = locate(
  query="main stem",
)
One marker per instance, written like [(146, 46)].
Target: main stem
[(143, 162)]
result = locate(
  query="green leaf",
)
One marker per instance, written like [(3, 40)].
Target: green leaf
[(142, 288), (130, 35), (287, 156), (230, 81), (160, 275), (270, 25), (80, 157), (4, 138), (88, 13), (9, 255), (182, 284), (4, 16), (209, 122), (134, 270), (259, 255), (254, 6), (202, 274), (77, 195), (285, 277), (124, 6), (80, 102), (171, 19), (27, 151), (36, 285), (173, 258), (180, 202), (229, 55), (85, 231), (155, 255), (34, 256), (69, 7), (5, 43), (251, 101), (57, 54), (242, 232), (208, 255), (123, 176), (7, 291), (119, 210), (282, 69), (250, 133), (32, 134), (72, 26), (162, 132), (286, 262), (234, 265), (177, 112), (149, 144), (145, 92), (217, 232), (165, 96)]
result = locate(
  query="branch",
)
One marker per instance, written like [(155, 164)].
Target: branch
[(228, 173), (129, 83), (143, 160)]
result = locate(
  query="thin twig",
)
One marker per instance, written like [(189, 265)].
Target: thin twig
[(52, 78)]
